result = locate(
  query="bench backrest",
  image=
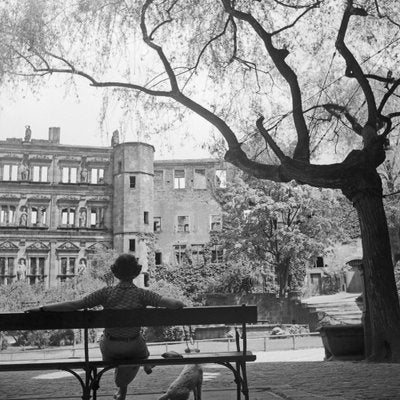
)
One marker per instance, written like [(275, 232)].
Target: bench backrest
[(128, 318)]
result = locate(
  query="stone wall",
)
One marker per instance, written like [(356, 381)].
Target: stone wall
[(271, 310)]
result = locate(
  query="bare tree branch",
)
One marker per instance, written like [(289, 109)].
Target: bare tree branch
[(353, 68), (148, 40), (336, 110), (387, 95), (268, 138), (297, 7), (278, 56), (297, 19), (385, 16)]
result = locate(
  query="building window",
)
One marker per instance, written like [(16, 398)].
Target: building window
[(36, 270), (38, 216), (34, 216), (199, 181), (97, 175), (197, 253), (158, 257), (132, 182), (215, 222), (10, 172), (180, 253), (119, 167), (220, 178), (67, 268), (40, 173), (158, 178), (217, 254), (157, 224), (179, 179), (69, 174), (146, 217), (68, 216), (43, 215), (7, 215), (96, 217), (7, 270), (132, 245), (319, 262), (183, 223)]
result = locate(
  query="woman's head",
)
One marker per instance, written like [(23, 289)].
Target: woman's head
[(126, 267)]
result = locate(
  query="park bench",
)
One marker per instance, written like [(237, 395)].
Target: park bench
[(94, 367)]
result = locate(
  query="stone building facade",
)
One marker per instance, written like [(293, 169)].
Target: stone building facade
[(60, 203)]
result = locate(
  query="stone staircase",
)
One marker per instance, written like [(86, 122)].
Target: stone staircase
[(336, 309)]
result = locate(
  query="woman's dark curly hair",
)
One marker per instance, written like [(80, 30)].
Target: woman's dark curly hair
[(126, 267)]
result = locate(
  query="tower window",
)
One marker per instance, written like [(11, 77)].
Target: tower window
[(157, 224), (146, 217), (132, 182), (158, 256), (132, 245)]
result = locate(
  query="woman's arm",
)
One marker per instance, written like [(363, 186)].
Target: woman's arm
[(64, 306), (170, 303)]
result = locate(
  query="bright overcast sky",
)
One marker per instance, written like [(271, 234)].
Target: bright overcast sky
[(77, 114)]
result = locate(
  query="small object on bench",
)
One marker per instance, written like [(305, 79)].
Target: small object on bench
[(95, 368), (171, 354)]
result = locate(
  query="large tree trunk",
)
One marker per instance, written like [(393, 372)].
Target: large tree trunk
[(382, 317)]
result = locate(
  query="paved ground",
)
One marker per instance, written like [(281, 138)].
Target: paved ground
[(289, 375)]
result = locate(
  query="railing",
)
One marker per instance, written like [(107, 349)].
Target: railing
[(260, 343)]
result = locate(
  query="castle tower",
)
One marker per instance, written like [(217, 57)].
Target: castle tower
[(133, 201)]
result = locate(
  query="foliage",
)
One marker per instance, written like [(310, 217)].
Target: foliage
[(14, 298), (330, 283), (239, 276), (279, 228), (100, 265), (190, 278)]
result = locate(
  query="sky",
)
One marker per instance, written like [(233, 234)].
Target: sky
[(76, 111)]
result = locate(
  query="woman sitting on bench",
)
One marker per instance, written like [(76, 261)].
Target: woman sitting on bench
[(120, 343)]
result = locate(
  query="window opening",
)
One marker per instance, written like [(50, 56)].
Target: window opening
[(10, 172), (40, 173), (217, 254), (183, 223), (69, 174), (180, 253), (216, 222), (158, 178), (197, 253), (220, 178), (157, 224), (199, 181), (158, 258), (179, 179)]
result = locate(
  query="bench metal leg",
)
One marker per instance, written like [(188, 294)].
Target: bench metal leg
[(240, 379), (85, 385), (245, 387)]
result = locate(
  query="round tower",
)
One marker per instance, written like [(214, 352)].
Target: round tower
[(133, 200)]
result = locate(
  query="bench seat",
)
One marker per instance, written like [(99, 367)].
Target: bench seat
[(79, 363)]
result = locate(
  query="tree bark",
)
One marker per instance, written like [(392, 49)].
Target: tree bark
[(382, 317)]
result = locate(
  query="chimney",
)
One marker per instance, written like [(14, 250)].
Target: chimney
[(54, 135)]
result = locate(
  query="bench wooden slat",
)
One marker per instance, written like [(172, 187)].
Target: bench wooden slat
[(193, 358), (119, 318)]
